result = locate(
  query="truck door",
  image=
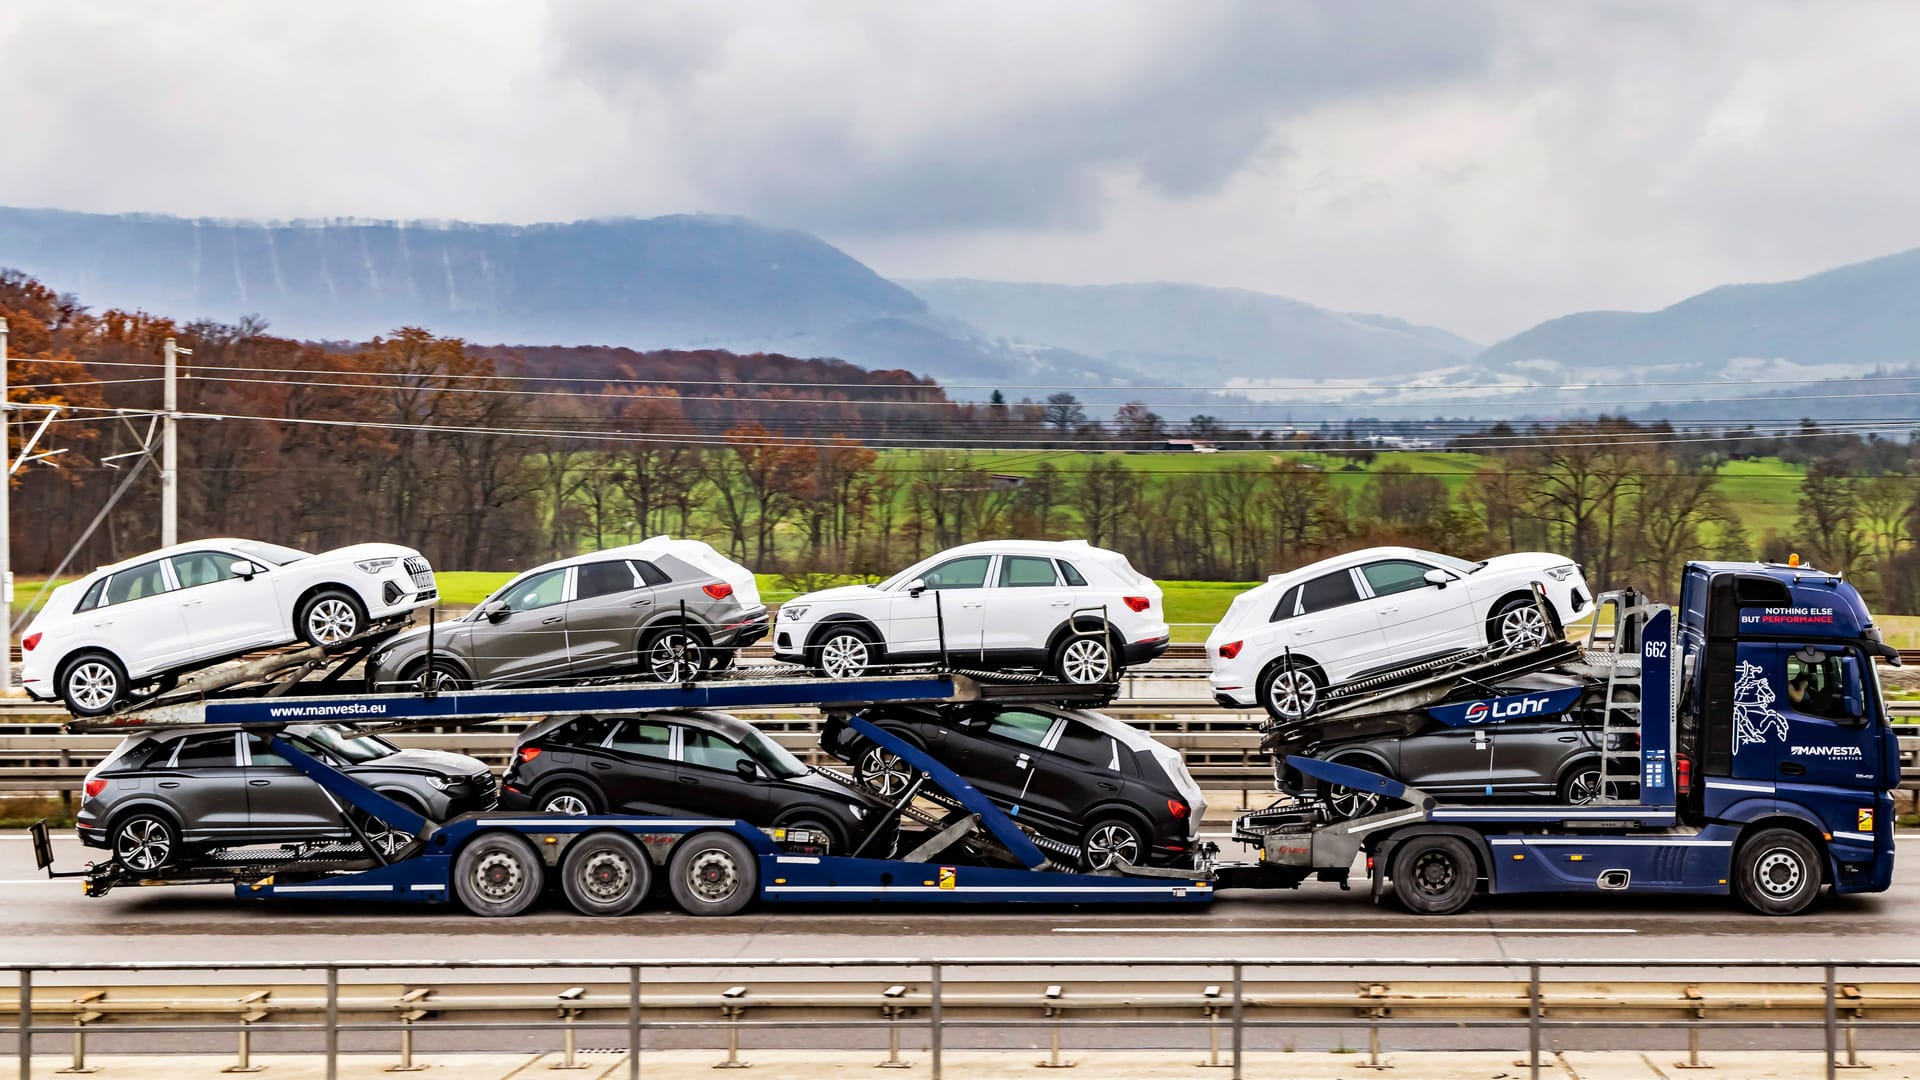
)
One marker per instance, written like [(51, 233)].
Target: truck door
[(1833, 737), (1760, 711)]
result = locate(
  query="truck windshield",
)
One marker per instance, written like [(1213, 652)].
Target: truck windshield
[(779, 764), (352, 749)]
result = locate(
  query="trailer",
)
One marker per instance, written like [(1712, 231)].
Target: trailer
[(963, 850), (1754, 758)]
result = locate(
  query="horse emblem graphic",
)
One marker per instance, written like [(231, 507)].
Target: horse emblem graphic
[(1754, 717)]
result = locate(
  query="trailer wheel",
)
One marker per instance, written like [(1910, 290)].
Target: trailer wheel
[(605, 873), (1778, 872), (713, 873), (330, 617), (498, 874), (1435, 875)]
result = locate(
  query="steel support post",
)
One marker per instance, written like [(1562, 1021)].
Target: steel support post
[(243, 1055), (894, 1061), (933, 1020), (79, 1051), (1239, 1019), (333, 1023), (1827, 1028), (26, 1024), (633, 1022), (1533, 1021), (732, 1013)]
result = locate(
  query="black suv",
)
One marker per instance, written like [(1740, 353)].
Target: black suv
[(1073, 776), (690, 763)]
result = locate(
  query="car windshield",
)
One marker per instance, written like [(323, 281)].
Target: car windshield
[(352, 749), (779, 764), (271, 554), (1458, 566)]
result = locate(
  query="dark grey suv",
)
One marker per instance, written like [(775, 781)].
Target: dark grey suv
[(163, 796)]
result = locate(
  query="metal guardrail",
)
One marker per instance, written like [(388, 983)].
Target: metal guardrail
[(1211, 998)]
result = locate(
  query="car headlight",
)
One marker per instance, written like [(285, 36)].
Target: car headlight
[(440, 783), (376, 566), (794, 613), (859, 812), (1562, 573)]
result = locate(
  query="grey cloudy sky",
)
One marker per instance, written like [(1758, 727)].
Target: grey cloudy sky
[(1476, 165)]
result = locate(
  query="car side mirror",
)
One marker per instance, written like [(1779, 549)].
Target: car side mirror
[(746, 768), (916, 586), (496, 610), (245, 570), (1437, 578)]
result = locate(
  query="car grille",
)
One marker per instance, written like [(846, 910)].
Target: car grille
[(486, 791), (421, 570)]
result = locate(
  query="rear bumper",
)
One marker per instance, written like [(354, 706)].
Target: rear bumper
[(1135, 653), (742, 632)]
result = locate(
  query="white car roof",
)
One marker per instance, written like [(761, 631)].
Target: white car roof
[(1052, 549), (1351, 559), (650, 548), (177, 549)]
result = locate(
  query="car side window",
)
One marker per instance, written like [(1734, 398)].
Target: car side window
[(1288, 606), (204, 752), (967, 573), (538, 591), (650, 573), (202, 568), (1021, 726), (1025, 572), (1088, 746), (698, 747), (92, 599), (643, 738), (1328, 591), (603, 579), (1071, 575), (136, 583), (260, 752), (1395, 576)]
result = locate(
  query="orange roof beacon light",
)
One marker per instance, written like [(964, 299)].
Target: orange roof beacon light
[(1793, 559)]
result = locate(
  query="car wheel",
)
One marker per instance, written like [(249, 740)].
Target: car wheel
[(1290, 692), (569, 799), (830, 844), (844, 653), (1112, 842), (145, 842), (673, 655), (1083, 660), (382, 837), (884, 773), (1518, 624), (498, 874), (605, 873), (1778, 872), (442, 676), (713, 873), (92, 684), (1435, 875), (330, 617), (1581, 785), (1345, 803)]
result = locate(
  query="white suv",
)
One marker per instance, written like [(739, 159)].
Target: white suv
[(191, 605), (996, 604), (1283, 642)]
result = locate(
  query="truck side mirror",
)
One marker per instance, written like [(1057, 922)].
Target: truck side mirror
[(1437, 578), (916, 586)]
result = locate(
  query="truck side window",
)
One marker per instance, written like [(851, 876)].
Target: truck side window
[(1816, 684)]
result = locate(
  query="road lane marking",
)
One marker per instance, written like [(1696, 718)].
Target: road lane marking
[(1529, 930)]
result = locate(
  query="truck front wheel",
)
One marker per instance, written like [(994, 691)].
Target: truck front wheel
[(1777, 872), (1435, 875), (713, 873)]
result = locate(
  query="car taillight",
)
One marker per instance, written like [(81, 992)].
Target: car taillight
[(1231, 649), (719, 592), (1138, 603), (1176, 808), (95, 787), (528, 753), (30, 641)]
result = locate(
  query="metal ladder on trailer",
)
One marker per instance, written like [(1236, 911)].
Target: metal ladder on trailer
[(1615, 656)]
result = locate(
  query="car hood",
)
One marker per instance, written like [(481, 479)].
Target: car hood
[(1524, 561), (834, 595), (824, 785), (357, 552), (437, 762)]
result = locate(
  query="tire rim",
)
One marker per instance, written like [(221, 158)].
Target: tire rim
[(713, 875), (1583, 787), (884, 773), (1293, 693), (144, 844), (1110, 844), (93, 685), (1523, 627), (1434, 873), (1085, 661), (439, 679), (1349, 803), (498, 876), (569, 804), (386, 839), (332, 621), (606, 876), (844, 656), (674, 658), (1779, 873)]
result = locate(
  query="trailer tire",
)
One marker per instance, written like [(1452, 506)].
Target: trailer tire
[(498, 874), (713, 873), (1778, 872), (329, 617), (92, 683), (605, 873), (1435, 875)]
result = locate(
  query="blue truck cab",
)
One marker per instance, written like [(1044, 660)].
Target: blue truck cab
[(1780, 720)]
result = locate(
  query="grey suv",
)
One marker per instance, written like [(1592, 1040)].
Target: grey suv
[(672, 609), (163, 796)]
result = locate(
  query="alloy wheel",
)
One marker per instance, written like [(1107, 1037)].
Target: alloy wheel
[(884, 773), (1523, 628), (1086, 661), (844, 656), (386, 839), (1110, 844), (1583, 787), (144, 844), (675, 657), (1293, 692), (569, 804), (332, 621), (93, 685), (1348, 803)]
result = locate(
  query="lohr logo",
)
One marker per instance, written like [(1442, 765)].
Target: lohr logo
[(1505, 709)]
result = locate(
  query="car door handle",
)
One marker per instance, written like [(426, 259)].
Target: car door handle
[(1569, 738), (1792, 768), (169, 783), (258, 783), (553, 620), (1107, 787), (1389, 611), (601, 765), (689, 780), (1303, 631), (640, 603), (1062, 603), (970, 603)]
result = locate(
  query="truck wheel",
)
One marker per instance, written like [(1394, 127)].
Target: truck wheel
[(145, 841), (713, 873), (1435, 875), (673, 655), (843, 653), (498, 874), (1778, 872), (330, 617), (605, 873), (1084, 660), (570, 800), (92, 684)]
